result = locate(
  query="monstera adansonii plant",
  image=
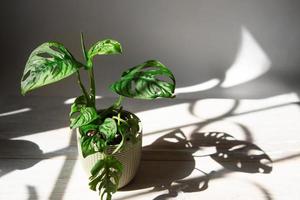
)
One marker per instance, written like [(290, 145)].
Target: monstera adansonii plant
[(51, 62)]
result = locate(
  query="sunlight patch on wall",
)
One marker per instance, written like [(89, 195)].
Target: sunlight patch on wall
[(216, 108), (213, 108), (159, 119), (14, 112), (216, 112), (198, 87), (61, 136), (251, 62)]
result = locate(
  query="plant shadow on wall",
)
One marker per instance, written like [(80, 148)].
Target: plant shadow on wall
[(231, 153)]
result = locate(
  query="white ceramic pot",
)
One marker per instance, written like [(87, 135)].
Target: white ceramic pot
[(130, 157)]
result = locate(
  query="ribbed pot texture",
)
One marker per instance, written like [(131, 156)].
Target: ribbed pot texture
[(130, 157)]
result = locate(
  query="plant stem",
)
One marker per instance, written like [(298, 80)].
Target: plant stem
[(119, 119), (83, 47), (82, 87), (92, 85), (118, 103), (90, 71)]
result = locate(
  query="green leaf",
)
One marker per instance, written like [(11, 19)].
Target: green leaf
[(89, 127), (87, 146), (91, 144), (108, 128), (78, 104), (106, 174), (104, 47), (144, 81), (97, 167), (48, 63), (85, 116), (133, 123)]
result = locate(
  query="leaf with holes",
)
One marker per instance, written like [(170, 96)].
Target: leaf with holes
[(104, 47), (48, 63), (108, 128), (85, 116), (105, 176), (145, 81)]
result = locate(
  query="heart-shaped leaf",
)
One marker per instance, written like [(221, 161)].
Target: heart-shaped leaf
[(104, 47), (144, 81), (85, 116), (48, 63), (108, 128)]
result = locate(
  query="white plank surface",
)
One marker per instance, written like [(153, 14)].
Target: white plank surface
[(38, 154)]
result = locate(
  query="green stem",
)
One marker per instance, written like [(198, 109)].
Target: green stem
[(118, 103), (82, 87), (92, 85), (83, 47), (119, 119), (90, 71)]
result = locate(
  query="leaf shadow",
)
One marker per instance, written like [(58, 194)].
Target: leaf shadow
[(15, 152), (171, 174), (233, 154)]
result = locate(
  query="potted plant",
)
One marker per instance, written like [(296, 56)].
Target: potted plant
[(109, 139)]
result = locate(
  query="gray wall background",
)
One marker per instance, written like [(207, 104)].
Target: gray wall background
[(197, 39)]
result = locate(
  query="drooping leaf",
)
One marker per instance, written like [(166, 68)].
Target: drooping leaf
[(105, 176), (144, 81), (104, 47), (85, 116), (97, 167), (48, 63), (108, 128)]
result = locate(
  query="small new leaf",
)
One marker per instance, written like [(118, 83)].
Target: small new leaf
[(104, 47), (108, 128), (48, 63), (144, 81)]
